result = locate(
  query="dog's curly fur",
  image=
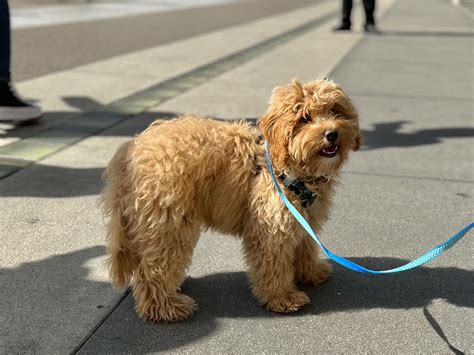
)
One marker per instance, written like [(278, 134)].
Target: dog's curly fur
[(180, 175)]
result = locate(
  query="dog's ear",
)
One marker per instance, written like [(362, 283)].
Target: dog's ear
[(341, 103), (277, 136), (272, 127), (278, 123), (343, 106), (358, 142)]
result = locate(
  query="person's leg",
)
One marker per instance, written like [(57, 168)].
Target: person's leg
[(346, 16), (346, 12), (369, 7), (12, 108), (4, 41)]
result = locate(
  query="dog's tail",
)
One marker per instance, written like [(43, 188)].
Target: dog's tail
[(121, 261)]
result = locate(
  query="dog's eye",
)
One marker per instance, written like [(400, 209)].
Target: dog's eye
[(305, 119)]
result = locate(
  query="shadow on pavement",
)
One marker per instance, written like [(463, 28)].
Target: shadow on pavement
[(54, 181), (84, 105), (437, 328), (53, 121), (387, 134), (227, 295), (345, 290), (42, 300)]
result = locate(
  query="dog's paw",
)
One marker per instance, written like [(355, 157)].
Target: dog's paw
[(322, 272), (289, 303), (317, 274), (176, 308)]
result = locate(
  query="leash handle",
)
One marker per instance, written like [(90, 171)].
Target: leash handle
[(428, 256)]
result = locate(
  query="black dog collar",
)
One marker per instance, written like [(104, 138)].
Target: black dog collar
[(297, 186)]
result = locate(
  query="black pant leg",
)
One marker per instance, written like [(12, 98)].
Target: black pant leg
[(4, 41), (346, 12), (369, 7)]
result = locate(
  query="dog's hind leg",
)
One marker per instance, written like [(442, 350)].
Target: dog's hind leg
[(120, 257), (308, 266), (162, 269), (272, 273)]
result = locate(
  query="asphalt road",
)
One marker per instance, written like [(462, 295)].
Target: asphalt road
[(39, 51)]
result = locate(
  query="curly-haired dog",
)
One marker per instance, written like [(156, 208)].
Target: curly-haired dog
[(180, 175)]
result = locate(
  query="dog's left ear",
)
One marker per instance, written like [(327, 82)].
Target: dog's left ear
[(342, 105)]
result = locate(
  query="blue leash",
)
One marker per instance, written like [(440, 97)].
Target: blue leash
[(430, 255)]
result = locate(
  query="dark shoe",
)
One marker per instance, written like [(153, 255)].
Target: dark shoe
[(13, 109), (371, 29), (342, 27)]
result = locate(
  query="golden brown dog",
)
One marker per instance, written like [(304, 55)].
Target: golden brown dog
[(180, 175)]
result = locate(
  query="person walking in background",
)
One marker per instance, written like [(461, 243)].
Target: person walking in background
[(369, 8), (12, 108)]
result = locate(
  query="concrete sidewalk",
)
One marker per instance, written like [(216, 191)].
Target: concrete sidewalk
[(408, 189)]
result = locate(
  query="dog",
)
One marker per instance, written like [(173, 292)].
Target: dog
[(181, 175)]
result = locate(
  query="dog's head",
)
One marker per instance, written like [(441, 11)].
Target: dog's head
[(310, 128)]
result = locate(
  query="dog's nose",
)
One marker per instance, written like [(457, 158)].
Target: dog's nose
[(331, 136)]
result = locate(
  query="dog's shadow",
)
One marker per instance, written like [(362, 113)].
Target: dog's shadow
[(227, 295)]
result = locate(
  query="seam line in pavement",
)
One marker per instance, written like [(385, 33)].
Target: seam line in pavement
[(70, 131), (92, 332)]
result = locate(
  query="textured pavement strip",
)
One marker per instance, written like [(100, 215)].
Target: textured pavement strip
[(63, 134)]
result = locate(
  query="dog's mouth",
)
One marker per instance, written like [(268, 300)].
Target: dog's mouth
[(329, 152)]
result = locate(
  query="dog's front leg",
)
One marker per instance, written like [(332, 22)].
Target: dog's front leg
[(309, 268), (272, 272)]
